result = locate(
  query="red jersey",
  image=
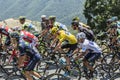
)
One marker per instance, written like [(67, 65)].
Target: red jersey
[(29, 37)]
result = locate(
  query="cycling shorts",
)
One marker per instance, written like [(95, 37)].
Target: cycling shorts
[(32, 63), (91, 57)]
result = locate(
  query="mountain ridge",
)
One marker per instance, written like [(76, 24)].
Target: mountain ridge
[(64, 10)]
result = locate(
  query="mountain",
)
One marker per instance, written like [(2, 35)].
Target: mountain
[(65, 10)]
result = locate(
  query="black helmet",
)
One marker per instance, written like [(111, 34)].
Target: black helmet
[(15, 35)]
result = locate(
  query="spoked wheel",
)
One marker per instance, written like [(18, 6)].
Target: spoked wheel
[(110, 61), (75, 72), (111, 58), (99, 73), (3, 59), (56, 76)]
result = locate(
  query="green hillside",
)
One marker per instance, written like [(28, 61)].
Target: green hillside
[(65, 10)]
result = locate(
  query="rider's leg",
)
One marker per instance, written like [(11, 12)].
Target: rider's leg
[(35, 74), (21, 60), (31, 65), (27, 75)]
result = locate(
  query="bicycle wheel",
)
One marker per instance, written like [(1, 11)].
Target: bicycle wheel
[(111, 60), (56, 76), (74, 72), (3, 59), (99, 72), (3, 72), (16, 77)]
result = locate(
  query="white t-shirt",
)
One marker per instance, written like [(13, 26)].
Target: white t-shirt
[(89, 45)]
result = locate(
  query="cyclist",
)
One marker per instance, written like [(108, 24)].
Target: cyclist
[(77, 26), (43, 22), (22, 19), (113, 33), (46, 28), (64, 36), (29, 37), (54, 23), (27, 26), (89, 49), (26, 50), (108, 22), (5, 30)]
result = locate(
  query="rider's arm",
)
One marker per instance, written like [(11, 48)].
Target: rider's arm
[(54, 42), (22, 57), (43, 33), (76, 51), (82, 54), (58, 46)]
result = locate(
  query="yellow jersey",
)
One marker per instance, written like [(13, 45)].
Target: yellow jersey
[(64, 35)]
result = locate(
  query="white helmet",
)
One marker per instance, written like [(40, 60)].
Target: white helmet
[(81, 35), (43, 16)]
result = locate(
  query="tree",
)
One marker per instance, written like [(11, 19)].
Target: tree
[(98, 11)]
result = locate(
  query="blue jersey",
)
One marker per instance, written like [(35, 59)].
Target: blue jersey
[(27, 48)]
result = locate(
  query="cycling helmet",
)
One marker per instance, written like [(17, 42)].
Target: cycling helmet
[(75, 23), (22, 18), (52, 18), (81, 35), (54, 30), (113, 25), (76, 18), (115, 18), (43, 16), (109, 21), (14, 35)]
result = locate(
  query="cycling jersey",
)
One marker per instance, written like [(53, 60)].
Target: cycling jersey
[(29, 27), (60, 26), (64, 35), (94, 50), (43, 25), (27, 49), (89, 45), (29, 37), (5, 30)]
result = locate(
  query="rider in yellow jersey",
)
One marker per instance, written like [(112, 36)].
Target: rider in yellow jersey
[(64, 36)]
